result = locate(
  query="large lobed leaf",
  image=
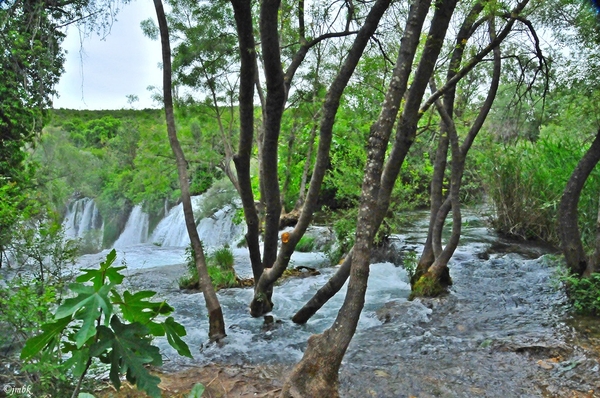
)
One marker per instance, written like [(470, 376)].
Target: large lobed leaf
[(174, 330), (86, 306), (128, 351), (99, 276), (136, 308)]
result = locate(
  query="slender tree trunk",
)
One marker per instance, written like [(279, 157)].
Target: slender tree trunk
[(275, 102), (398, 86), (435, 279), (215, 314), (307, 164), (243, 19), (436, 196), (570, 237)]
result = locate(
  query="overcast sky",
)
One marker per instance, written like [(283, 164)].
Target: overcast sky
[(125, 62)]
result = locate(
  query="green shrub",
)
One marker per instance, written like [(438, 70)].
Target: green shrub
[(26, 304), (220, 269), (525, 181), (306, 244), (115, 327), (223, 258), (584, 293), (344, 228)]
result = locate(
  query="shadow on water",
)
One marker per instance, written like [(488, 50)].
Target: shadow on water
[(503, 331)]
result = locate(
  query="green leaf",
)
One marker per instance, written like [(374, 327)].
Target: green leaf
[(136, 308), (78, 361), (98, 276), (174, 330), (50, 331), (130, 350), (86, 306), (197, 391), (85, 395)]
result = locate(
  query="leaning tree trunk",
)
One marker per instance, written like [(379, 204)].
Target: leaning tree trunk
[(397, 89), (317, 373), (215, 314), (404, 140), (570, 237)]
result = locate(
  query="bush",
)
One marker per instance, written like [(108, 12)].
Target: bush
[(344, 228), (101, 322), (525, 182), (25, 305), (584, 293), (220, 269)]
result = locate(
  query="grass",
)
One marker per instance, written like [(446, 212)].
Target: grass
[(220, 269), (306, 244)]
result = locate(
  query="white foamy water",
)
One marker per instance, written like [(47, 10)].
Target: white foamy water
[(136, 229), (214, 231)]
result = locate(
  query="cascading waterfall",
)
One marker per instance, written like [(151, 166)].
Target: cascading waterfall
[(136, 229), (214, 231), (83, 221)]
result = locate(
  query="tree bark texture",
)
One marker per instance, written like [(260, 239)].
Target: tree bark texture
[(243, 19), (215, 314), (568, 228), (275, 102)]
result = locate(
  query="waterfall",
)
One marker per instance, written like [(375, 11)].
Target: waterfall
[(214, 231), (136, 229), (83, 221), (82, 216)]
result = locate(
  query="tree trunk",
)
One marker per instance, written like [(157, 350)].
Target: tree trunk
[(261, 302), (435, 279), (215, 314), (307, 164), (570, 237), (243, 19), (439, 168), (317, 373), (275, 102), (397, 89)]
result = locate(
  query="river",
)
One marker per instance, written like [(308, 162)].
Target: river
[(505, 329)]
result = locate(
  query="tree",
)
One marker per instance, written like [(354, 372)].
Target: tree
[(432, 275), (268, 269), (31, 32), (400, 149), (215, 314)]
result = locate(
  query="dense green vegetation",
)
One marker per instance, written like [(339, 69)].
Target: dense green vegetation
[(87, 328), (314, 126)]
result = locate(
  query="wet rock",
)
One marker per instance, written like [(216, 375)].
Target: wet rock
[(412, 312)]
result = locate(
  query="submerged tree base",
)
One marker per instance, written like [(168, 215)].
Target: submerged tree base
[(431, 285)]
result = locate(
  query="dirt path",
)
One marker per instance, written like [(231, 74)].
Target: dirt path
[(220, 381)]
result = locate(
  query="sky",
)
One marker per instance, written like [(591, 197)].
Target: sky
[(107, 70)]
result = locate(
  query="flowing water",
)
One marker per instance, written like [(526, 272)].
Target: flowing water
[(503, 331)]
